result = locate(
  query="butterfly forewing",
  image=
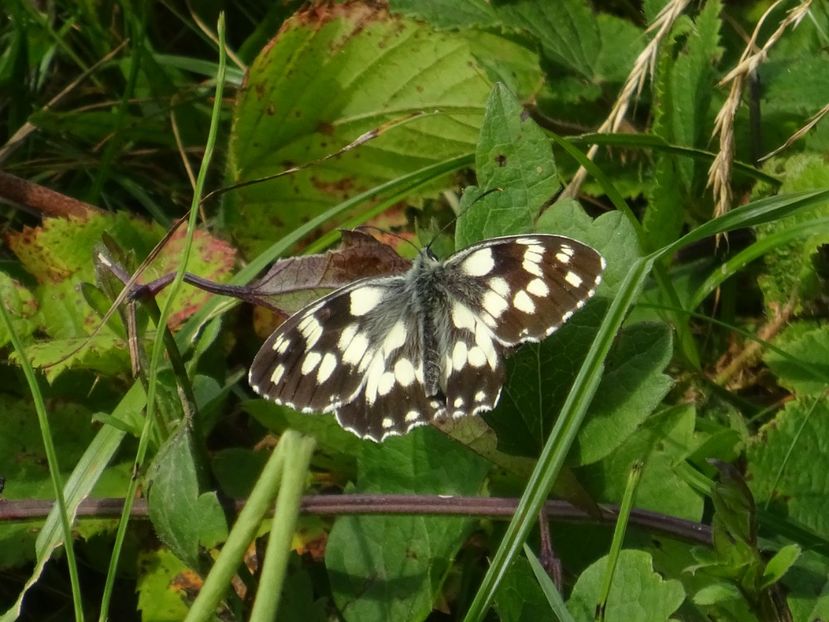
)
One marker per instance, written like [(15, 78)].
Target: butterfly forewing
[(389, 354), (529, 285)]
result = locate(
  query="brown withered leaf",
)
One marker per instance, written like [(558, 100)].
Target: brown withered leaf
[(290, 280)]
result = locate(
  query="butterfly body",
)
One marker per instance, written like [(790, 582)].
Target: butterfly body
[(388, 354)]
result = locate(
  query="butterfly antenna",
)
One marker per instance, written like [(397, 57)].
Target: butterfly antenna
[(455, 219), (393, 234)]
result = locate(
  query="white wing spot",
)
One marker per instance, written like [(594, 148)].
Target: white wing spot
[(480, 396), (499, 285), (312, 359), (404, 372), (311, 329), (373, 377), (563, 258), (574, 279), (364, 299), (567, 250), (534, 253), (537, 287), (283, 346), (459, 356), (277, 374), (458, 402), (348, 334), (526, 241), (355, 351), (494, 304), (327, 367), (479, 263), (462, 317), (566, 316), (387, 423), (484, 341), (386, 383), (476, 357), (532, 267), (411, 416), (523, 302), (395, 338)]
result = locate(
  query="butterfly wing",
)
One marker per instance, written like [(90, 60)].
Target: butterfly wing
[(526, 286), (504, 292), (356, 352)]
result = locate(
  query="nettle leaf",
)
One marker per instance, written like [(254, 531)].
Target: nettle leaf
[(187, 517), (597, 47), (789, 269), (515, 170), (683, 88), (392, 567), (337, 89), (637, 592), (806, 369), (661, 443), (788, 462)]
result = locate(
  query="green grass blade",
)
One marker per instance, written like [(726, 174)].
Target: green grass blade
[(572, 413), (243, 532), (295, 471), (52, 461), (548, 588), (158, 345)]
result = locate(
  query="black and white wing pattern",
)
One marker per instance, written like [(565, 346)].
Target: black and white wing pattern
[(388, 354)]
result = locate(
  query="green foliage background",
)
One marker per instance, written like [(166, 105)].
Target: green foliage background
[(703, 361)]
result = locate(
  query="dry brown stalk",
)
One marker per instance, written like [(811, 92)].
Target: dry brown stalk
[(719, 175), (812, 122), (643, 67)]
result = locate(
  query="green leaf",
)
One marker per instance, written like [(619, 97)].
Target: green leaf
[(566, 30), (185, 516), (611, 234), (162, 590), (808, 587), (806, 368), (540, 375), (780, 564), (632, 386), (392, 567), (448, 13), (662, 442), (297, 603), (787, 463), (515, 170), (637, 593), (319, 86), (519, 597), (790, 270), (717, 593), (21, 307)]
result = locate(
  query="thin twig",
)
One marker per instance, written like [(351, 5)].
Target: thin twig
[(415, 505)]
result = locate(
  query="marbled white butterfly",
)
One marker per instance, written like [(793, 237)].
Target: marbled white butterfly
[(391, 353)]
